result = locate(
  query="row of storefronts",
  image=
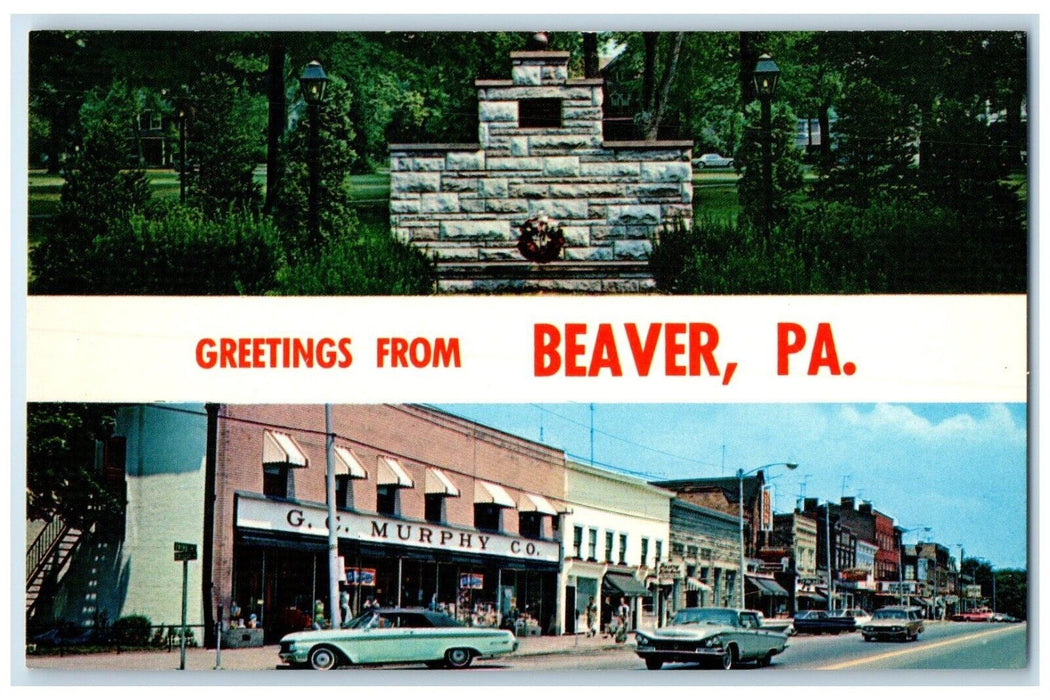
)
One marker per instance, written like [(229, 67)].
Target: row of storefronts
[(432, 511)]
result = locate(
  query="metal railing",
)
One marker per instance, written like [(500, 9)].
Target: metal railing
[(52, 533)]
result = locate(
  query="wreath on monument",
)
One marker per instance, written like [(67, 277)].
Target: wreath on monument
[(541, 239)]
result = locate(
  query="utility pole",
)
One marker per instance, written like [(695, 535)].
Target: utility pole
[(333, 533)]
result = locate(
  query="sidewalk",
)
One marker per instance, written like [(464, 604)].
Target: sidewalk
[(265, 658)]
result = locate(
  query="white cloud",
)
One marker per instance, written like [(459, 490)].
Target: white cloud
[(993, 424)]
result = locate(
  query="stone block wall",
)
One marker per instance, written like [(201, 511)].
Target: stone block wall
[(465, 202)]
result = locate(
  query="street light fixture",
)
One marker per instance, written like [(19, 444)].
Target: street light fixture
[(740, 474), (766, 77), (313, 82)]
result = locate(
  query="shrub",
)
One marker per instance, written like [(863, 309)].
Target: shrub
[(133, 630), (183, 252), (893, 246), (369, 262)]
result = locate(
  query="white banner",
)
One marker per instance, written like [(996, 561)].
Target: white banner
[(271, 516), (528, 348)]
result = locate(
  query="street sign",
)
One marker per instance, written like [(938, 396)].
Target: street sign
[(185, 551)]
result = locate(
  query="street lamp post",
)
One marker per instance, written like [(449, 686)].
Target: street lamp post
[(900, 560), (313, 82), (740, 474), (766, 77)]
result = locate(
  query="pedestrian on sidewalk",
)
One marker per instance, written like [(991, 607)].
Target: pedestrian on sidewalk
[(592, 617)]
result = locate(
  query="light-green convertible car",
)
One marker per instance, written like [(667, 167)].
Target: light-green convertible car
[(396, 636)]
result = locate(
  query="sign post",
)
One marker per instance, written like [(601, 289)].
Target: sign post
[(184, 552)]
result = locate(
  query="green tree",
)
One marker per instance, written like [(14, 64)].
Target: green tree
[(61, 478), (224, 143), (338, 217), (98, 191)]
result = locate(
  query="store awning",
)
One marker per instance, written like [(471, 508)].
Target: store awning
[(628, 585), (809, 595), (347, 464), (920, 600), (531, 503), (695, 584), (391, 473), (280, 448), (484, 492), (438, 483), (767, 586)]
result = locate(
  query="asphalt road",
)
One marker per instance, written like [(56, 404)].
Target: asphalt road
[(944, 646)]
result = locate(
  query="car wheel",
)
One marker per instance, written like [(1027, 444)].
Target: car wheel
[(323, 658), (729, 164), (729, 658), (458, 658), (653, 664), (765, 660), (867, 638), (700, 166)]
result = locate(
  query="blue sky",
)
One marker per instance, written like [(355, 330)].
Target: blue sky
[(959, 469)]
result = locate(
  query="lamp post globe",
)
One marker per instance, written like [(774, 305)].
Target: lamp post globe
[(313, 82)]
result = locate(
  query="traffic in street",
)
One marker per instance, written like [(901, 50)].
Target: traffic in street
[(943, 646)]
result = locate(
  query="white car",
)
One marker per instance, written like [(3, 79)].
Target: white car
[(712, 160), (859, 615)]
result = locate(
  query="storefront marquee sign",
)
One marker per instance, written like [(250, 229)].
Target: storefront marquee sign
[(472, 581), (311, 519)]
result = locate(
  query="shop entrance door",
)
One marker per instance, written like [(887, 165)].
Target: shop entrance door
[(570, 610)]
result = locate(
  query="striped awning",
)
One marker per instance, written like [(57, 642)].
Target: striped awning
[(695, 584), (531, 503), (437, 483), (280, 448), (485, 492), (347, 464), (391, 473)]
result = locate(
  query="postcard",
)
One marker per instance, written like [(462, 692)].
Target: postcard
[(506, 352)]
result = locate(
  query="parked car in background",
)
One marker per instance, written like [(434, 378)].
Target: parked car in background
[(396, 635), (1003, 617), (894, 622), (714, 637), (859, 615), (977, 615), (823, 622), (777, 624), (712, 160)]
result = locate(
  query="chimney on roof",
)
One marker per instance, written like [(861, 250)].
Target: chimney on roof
[(848, 502), (809, 505), (865, 508)]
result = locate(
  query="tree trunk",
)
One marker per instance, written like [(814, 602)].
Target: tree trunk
[(660, 105), (277, 117), (590, 55)]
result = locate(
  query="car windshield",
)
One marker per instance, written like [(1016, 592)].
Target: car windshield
[(362, 621), (889, 615), (705, 616)]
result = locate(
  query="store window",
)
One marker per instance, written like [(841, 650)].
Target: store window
[(608, 546), (623, 549), (645, 550), (592, 544), (659, 550), (343, 494), (530, 525), (488, 516), (577, 541)]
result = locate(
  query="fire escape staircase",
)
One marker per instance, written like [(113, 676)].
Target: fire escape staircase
[(47, 557)]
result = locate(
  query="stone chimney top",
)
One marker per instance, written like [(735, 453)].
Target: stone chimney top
[(539, 67), (537, 42)]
